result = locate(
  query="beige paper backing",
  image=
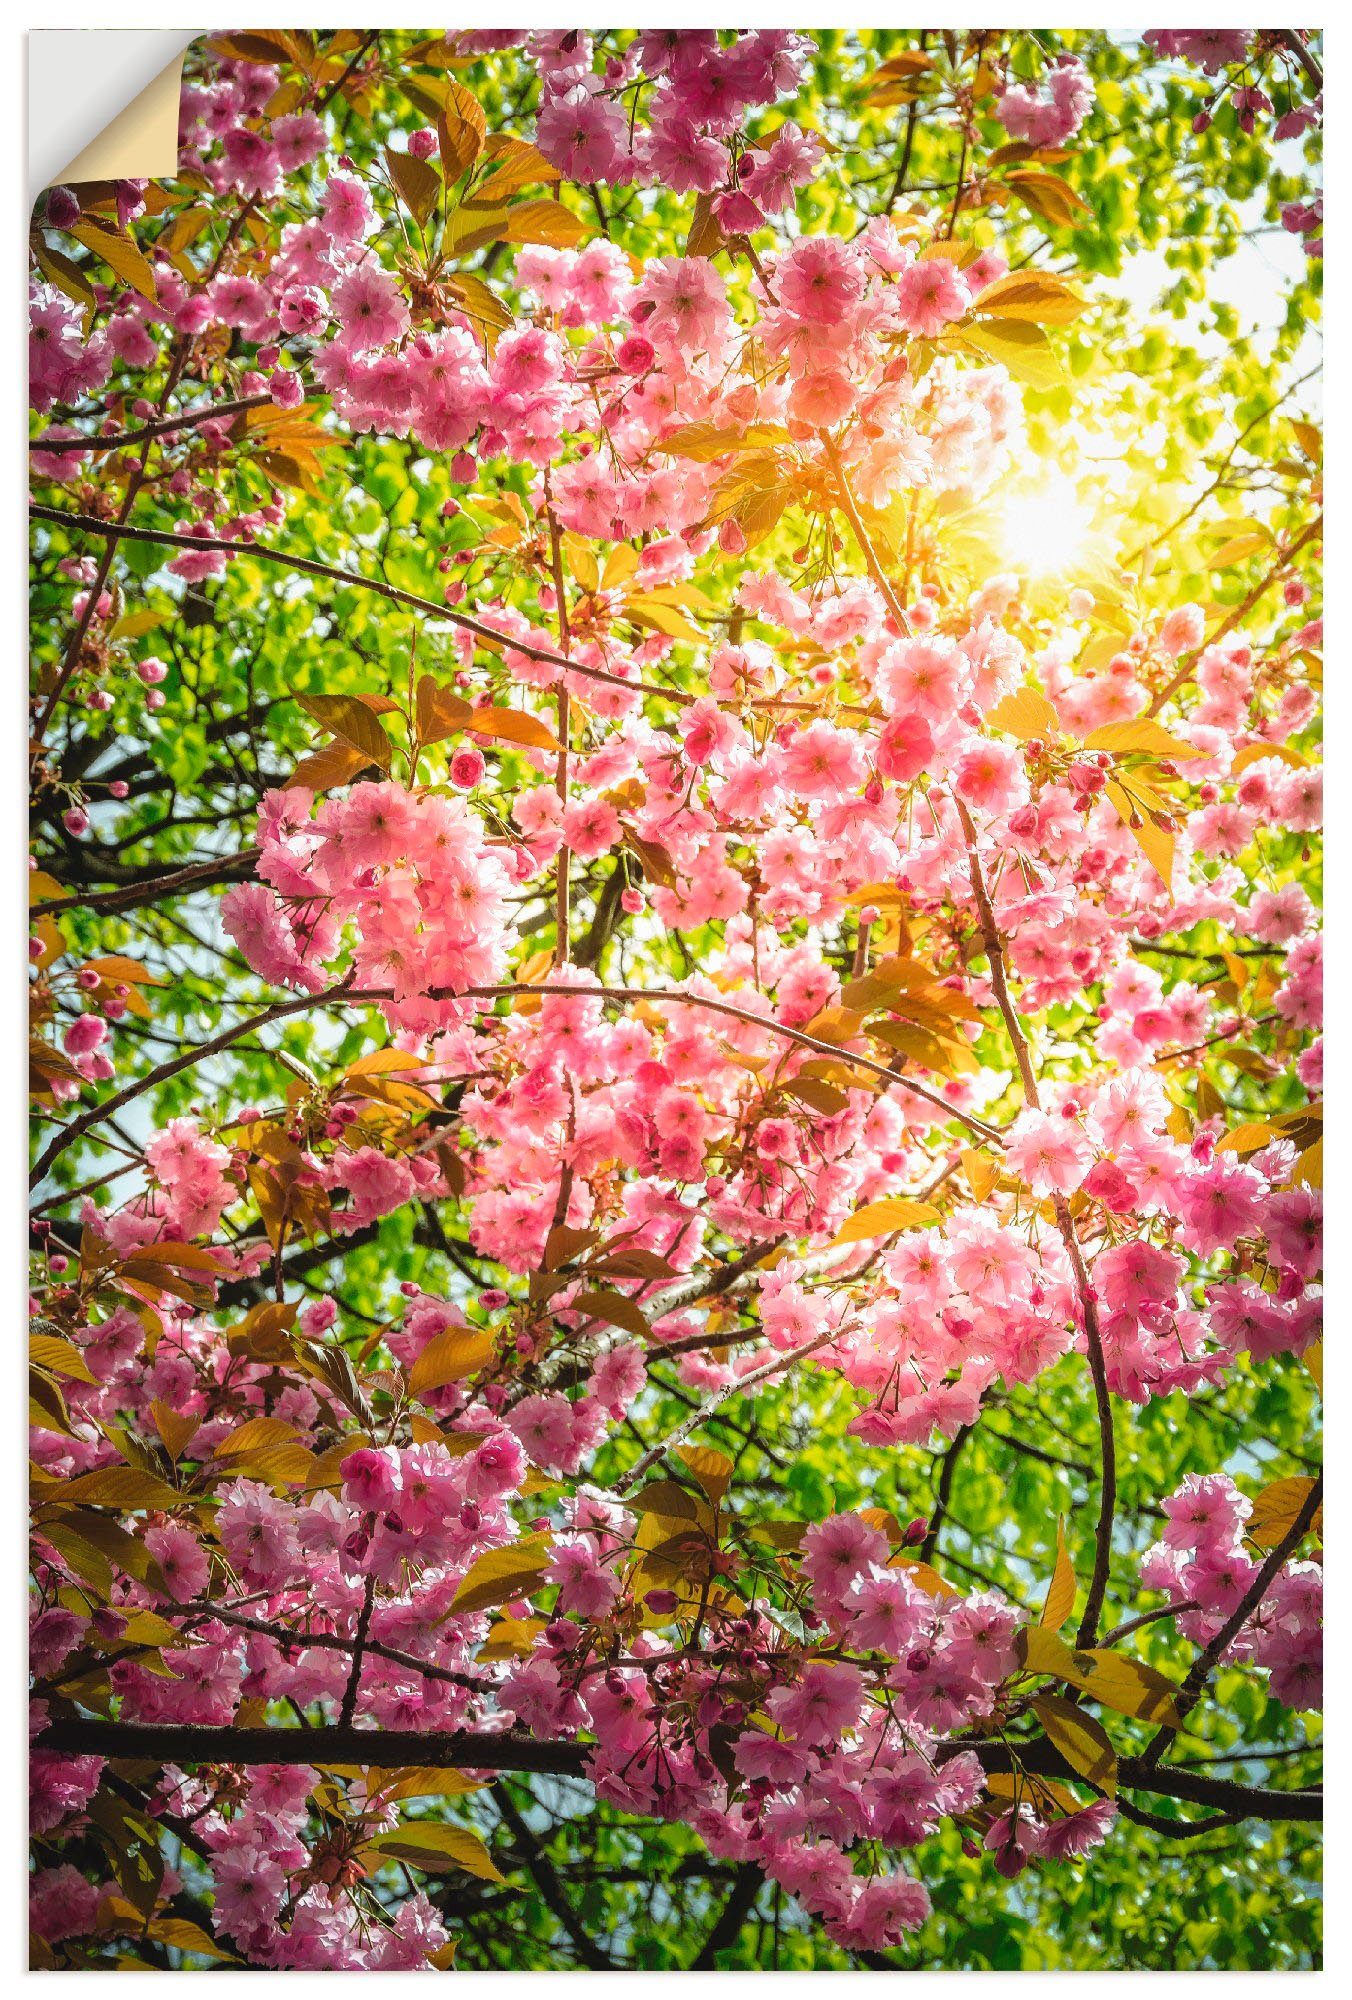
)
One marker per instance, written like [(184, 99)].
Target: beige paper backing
[(141, 143)]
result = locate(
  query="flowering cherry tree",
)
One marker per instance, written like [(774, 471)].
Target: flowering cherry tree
[(676, 1008)]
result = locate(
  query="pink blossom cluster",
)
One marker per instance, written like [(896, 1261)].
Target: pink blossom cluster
[(842, 1753), (1053, 113), (826, 1754), (826, 810), (412, 873), (696, 93), (1203, 1565), (1241, 54), (1211, 49), (63, 367)]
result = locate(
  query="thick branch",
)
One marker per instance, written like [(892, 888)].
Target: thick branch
[(159, 889), (486, 1750), (1313, 70), (943, 1492), (384, 1749), (747, 1884), (207, 413), (1134, 1774)]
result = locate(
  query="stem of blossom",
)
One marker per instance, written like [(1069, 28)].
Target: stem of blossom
[(861, 534), (1093, 1339), (385, 1749), (690, 1291), (1159, 537), (706, 1409), (1065, 1223), (995, 954), (371, 39), (561, 866), (747, 1884), (1200, 1672)]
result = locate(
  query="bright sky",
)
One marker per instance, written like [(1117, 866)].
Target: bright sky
[(1254, 281)]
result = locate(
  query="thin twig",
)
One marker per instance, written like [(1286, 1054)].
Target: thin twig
[(332, 573)]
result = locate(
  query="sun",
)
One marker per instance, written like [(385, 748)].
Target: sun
[(1047, 527)]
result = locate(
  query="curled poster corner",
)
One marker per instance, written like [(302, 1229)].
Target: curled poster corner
[(103, 104)]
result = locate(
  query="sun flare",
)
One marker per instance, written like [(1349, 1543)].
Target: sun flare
[(1045, 528)]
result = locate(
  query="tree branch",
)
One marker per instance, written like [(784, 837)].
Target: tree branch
[(136, 895), (747, 1884), (542, 1872), (706, 1409), (208, 413), (87, 524), (666, 997), (77, 1127), (507, 1750), (1065, 1223), (1239, 614), (1198, 1674)]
